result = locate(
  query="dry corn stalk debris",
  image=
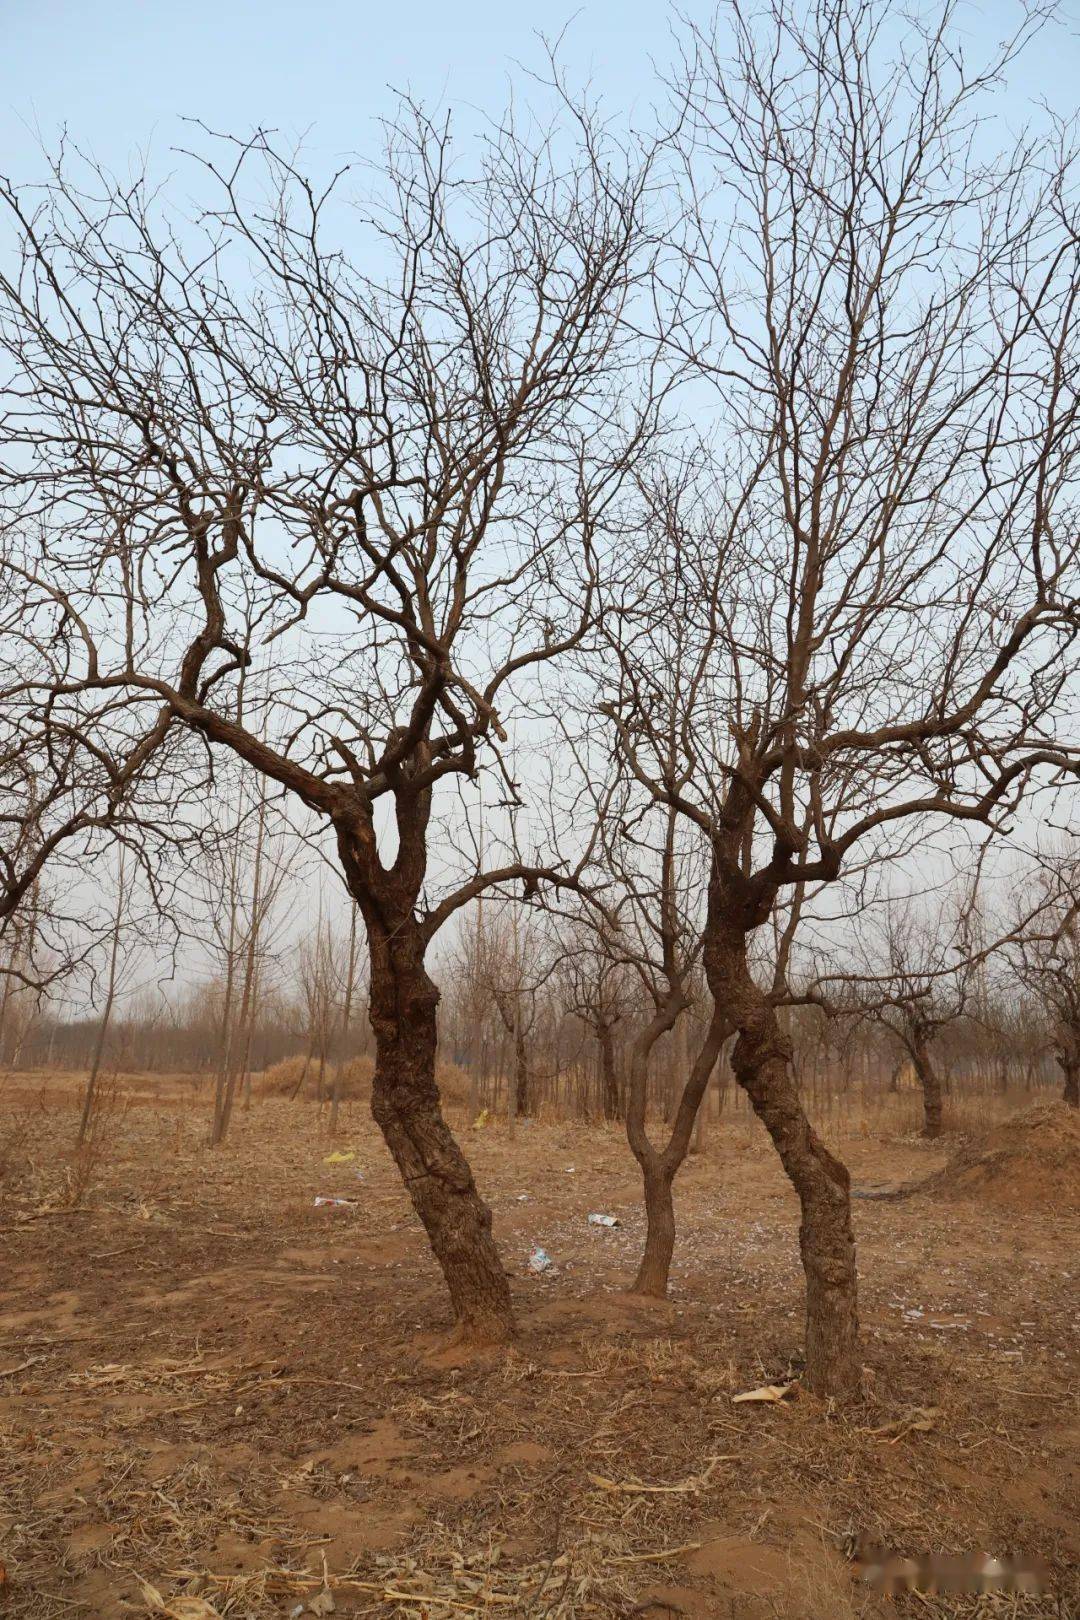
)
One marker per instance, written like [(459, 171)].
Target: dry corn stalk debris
[(637, 1487), (584, 1580)]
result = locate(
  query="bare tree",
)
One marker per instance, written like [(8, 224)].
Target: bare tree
[(511, 970), (73, 782), (111, 985), (922, 982), (255, 869), (667, 946), (347, 997), (378, 470), (1045, 955), (319, 974), (595, 985), (855, 602)]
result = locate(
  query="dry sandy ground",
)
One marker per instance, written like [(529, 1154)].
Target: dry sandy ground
[(217, 1399)]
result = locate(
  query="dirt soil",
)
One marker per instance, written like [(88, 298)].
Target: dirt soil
[(1030, 1162), (219, 1400)]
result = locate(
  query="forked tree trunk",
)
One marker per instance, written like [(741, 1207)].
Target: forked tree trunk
[(659, 1169), (405, 1104), (518, 1090)]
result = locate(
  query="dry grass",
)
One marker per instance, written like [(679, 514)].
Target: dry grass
[(300, 1076), (297, 1076)]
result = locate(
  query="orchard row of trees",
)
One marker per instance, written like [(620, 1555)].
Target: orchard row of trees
[(541, 1018), (700, 499)]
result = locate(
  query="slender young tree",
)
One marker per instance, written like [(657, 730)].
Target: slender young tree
[(648, 870), (112, 978), (595, 985), (256, 870), (348, 993), (510, 969)]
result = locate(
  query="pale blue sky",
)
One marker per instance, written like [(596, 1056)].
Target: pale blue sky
[(119, 73)]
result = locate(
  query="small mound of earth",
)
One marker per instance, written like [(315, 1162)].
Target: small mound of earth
[(1032, 1161)]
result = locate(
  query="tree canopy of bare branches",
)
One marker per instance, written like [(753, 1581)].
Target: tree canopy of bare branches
[(357, 481), (853, 605)]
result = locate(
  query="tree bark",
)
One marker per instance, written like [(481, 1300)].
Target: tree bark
[(655, 1267), (930, 1081), (1071, 1069), (659, 1169), (826, 1241), (521, 1076), (761, 1063), (106, 1011), (405, 1104), (609, 1079)]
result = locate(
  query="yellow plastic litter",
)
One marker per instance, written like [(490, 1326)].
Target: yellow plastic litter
[(340, 1158), (481, 1120)]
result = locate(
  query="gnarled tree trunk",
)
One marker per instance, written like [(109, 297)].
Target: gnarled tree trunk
[(761, 1062), (826, 1240), (930, 1081), (405, 1104)]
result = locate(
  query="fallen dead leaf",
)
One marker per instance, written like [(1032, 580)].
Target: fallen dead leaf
[(766, 1394)]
